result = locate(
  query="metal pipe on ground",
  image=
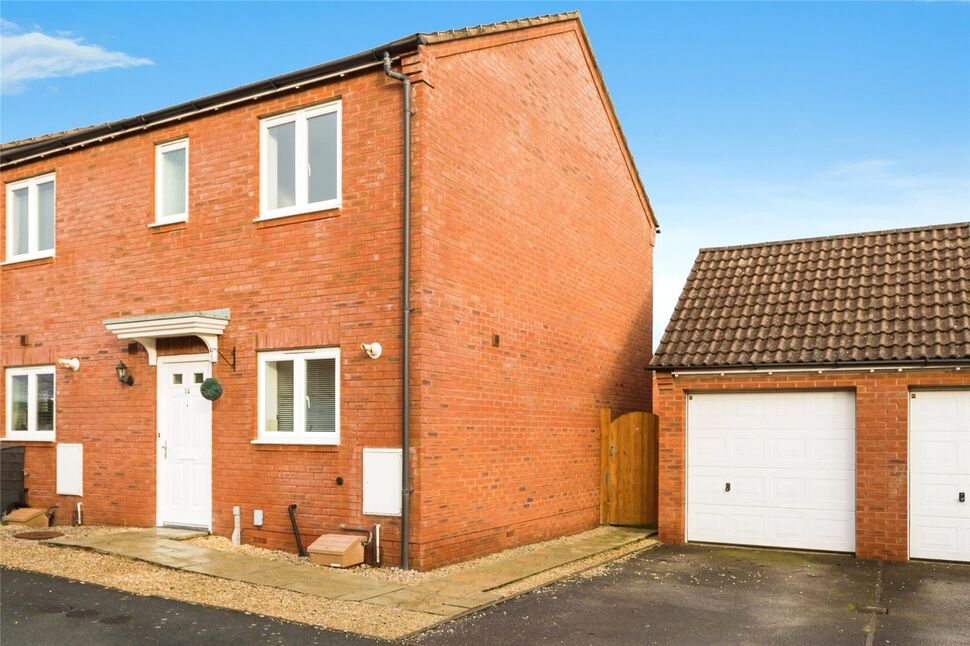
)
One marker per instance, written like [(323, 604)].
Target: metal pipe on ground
[(296, 530)]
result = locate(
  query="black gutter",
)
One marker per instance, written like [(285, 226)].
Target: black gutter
[(405, 317), (12, 154), (819, 365)]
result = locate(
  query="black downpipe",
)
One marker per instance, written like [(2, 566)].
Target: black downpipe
[(296, 530), (405, 319)]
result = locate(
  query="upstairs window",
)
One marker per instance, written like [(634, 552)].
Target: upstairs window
[(172, 182), (299, 397), (300, 161), (30, 403), (30, 218)]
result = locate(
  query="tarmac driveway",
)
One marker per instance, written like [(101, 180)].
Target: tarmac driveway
[(722, 595)]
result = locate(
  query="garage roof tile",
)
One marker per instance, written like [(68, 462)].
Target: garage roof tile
[(885, 296)]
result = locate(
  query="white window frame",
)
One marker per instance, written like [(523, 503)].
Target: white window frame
[(31, 434), (161, 149), (299, 435), (299, 117), (33, 218)]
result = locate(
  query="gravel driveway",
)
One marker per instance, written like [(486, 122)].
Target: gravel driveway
[(720, 595)]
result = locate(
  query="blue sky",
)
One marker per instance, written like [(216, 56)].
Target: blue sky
[(748, 121)]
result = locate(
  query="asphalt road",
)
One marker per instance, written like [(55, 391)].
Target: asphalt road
[(38, 610), (700, 595), (694, 595)]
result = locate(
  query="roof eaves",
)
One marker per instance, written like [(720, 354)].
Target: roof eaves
[(16, 152), (659, 367)]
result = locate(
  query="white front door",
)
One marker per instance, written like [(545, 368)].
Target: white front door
[(184, 443), (772, 469), (939, 475)]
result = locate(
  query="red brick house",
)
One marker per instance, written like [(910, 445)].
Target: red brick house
[(257, 237), (816, 394)]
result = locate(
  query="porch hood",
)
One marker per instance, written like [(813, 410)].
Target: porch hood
[(207, 325)]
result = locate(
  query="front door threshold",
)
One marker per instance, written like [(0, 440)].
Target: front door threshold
[(181, 532)]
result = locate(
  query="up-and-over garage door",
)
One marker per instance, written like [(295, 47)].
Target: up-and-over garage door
[(772, 469)]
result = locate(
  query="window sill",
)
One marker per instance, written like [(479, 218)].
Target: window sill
[(171, 223), (34, 438), (47, 255), (298, 441), (311, 213)]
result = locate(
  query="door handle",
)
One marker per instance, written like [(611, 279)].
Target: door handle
[(727, 486), (165, 450), (963, 496)]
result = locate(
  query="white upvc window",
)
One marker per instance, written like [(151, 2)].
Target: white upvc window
[(30, 218), (299, 396), (300, 161), (30, 403), (172, 182)]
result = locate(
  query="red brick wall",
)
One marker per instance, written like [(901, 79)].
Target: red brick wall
[(531, 229), (882, 425), (527, 225), (321, 279)]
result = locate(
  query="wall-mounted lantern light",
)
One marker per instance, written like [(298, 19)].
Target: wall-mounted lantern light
[(123, 375)]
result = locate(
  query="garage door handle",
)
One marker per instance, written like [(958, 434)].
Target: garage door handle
[(727, 486), (963, 496)]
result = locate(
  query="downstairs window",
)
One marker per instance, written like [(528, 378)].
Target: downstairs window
[(30, 403), (299, 396)]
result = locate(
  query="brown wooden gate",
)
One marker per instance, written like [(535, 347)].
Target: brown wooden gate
[(629, 463)]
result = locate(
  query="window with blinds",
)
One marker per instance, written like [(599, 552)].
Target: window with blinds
[(300, 396), (30, 403), (320, 396)]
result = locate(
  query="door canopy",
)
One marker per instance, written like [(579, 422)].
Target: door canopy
[(208, 325)]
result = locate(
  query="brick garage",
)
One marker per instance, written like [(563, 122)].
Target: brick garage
[(532, 255), (883, 317)]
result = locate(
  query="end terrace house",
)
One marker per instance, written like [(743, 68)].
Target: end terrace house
[(465, 277)]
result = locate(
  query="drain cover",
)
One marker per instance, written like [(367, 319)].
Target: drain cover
[(37, 536)]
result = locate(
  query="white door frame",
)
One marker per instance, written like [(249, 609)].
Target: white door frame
[(159, 470)]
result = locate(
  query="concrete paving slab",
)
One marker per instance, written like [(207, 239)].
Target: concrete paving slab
[(446, 596)]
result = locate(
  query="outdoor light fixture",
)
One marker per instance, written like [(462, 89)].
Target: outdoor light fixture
[(373, 350), (73, 363), (123, 375)]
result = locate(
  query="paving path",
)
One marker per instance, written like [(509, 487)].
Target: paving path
[(446, 596)]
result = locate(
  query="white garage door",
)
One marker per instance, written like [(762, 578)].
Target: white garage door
[(773, 469), (939, 472)]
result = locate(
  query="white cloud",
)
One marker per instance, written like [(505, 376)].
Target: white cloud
[(32, 55)]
